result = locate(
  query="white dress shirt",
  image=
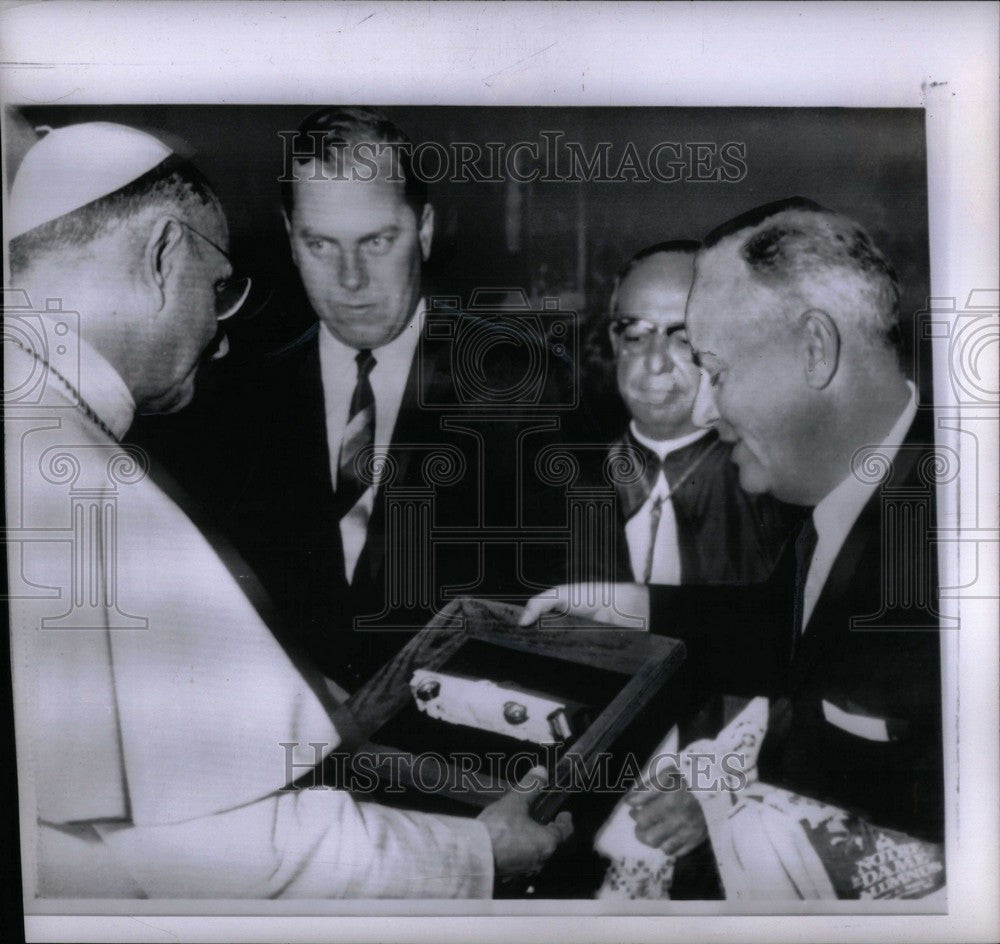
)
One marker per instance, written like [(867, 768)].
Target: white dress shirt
[(835, 515), (654, 525), (388, 377)]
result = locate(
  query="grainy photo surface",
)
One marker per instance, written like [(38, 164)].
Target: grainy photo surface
[(479, 509), (648, 353)]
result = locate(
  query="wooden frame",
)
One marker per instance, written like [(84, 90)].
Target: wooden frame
[(647, 661)]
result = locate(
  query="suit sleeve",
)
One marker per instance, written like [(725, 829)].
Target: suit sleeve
[(737, 637), (317, 843)]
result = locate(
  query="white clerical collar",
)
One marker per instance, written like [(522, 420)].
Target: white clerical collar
[(392, 357), (663, 447), (102, 389)]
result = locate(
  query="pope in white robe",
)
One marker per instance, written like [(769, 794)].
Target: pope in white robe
[(152, 702)]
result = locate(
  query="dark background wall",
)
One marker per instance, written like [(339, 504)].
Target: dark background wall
[(562, 239), (867, 163)]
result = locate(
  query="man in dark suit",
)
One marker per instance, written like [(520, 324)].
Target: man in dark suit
[(793, 321), (393, 466)]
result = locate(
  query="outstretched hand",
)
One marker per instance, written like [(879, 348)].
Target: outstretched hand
[(620, 604)]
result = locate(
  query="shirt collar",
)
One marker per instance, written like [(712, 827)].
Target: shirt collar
[(663, 447), (104, 391), (836, 512)]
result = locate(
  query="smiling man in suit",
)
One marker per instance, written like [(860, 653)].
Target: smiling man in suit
[(793, 318), (384, 420)]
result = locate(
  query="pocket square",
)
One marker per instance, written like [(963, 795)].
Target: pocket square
[(862, 726)]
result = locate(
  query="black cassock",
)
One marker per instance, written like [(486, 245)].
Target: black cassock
[(724, 534)]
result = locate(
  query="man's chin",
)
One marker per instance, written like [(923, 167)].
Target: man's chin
[(752, 478), (363, 336), (662, 421), (171, 402)]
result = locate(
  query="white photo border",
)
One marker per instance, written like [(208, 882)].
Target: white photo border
[(938, 56)]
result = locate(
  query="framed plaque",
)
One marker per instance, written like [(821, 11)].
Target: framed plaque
[(474, 700)]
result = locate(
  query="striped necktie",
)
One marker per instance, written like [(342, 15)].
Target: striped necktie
[(358, 436)]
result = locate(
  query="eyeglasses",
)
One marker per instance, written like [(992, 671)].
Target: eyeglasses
[(230, 294), (636, 334)]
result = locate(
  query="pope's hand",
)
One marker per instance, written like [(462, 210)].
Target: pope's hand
[(668, 820), (621, 604), (520, 845)]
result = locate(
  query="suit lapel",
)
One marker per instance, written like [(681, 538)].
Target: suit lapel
[(839, 594), (308, 454), (413, 427), (297, 419), (310, 404)]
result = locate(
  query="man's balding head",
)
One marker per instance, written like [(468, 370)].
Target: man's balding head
[(173, 186), (813, 258), (793, 317), (111, 222)]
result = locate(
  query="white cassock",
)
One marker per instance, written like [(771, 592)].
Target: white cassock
[(152, 702)]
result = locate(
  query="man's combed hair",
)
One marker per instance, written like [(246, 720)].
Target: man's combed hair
[(756, 216), (337, 129), (174, 184), (824, 257)]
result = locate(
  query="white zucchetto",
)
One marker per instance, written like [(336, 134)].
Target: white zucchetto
[(73, 166)]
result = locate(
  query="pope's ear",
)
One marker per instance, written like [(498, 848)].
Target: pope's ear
[(820, 346), (162, 254)]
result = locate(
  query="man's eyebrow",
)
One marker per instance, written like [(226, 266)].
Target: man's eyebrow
[(307, 232), (390, 229)]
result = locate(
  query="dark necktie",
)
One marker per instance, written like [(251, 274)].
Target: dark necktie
[(358, 436), (805, 546)]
